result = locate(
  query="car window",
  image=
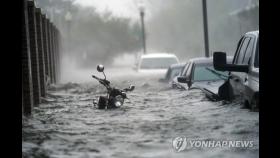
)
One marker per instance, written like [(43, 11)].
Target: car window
[(157, 63), (248, 52), (237, 50), (242, 50), (202, 74)]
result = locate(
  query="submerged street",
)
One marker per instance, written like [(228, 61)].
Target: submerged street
[(67, 124), (74, 51)]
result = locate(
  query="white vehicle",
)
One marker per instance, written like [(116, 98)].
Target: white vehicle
[(156, 62)]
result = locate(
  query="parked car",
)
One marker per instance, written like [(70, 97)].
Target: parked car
[(199, 73), (173, 71), (156, 62), (243, 78)]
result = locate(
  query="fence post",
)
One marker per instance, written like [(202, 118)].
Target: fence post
[(53, 52), (58, 55), (34, 52), (40, 52), (46, 49), (50, 50), (27, 89)]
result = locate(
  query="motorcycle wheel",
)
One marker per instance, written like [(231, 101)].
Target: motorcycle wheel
[(102, 102)]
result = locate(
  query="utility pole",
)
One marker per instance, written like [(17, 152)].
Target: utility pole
[(142, 14), (205, 24), (68, 19)]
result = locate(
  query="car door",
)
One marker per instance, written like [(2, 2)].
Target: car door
[(243, 57), (252, 79)]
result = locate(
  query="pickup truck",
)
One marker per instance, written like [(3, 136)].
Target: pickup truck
[(243, 80)]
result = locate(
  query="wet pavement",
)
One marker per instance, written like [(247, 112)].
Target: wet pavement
[(67, 125)]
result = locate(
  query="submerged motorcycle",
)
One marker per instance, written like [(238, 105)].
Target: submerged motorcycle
[(115, 97)]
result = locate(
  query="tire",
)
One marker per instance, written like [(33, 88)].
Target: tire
[(102, 102)]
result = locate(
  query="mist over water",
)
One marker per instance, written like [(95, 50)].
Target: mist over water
[(120, 66)]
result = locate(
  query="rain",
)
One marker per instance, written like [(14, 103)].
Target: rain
[(115, 36)]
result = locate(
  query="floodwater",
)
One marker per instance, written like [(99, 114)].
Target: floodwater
[(66, 125)]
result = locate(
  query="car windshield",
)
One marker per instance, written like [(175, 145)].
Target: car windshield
[(157, 63), (208, 73)]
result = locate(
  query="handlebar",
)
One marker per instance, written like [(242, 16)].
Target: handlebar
[(104, 82), (97, 78)]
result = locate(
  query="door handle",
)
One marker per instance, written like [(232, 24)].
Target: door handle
[(245, 79)]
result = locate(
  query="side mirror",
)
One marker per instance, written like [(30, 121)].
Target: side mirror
[(220, 63), (100, 68), (182, 79)]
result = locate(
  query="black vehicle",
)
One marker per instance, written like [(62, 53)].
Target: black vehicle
[(199, 73), (243, 79), (172, 71), (115, 97)]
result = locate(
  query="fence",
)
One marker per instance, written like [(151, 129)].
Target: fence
[(40, 55)]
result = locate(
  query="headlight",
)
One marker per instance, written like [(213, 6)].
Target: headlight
[(118, 101)]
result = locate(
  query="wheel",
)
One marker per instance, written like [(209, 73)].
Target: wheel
[(102, 102)]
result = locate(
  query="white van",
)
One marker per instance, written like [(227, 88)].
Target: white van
[(156, 62)]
